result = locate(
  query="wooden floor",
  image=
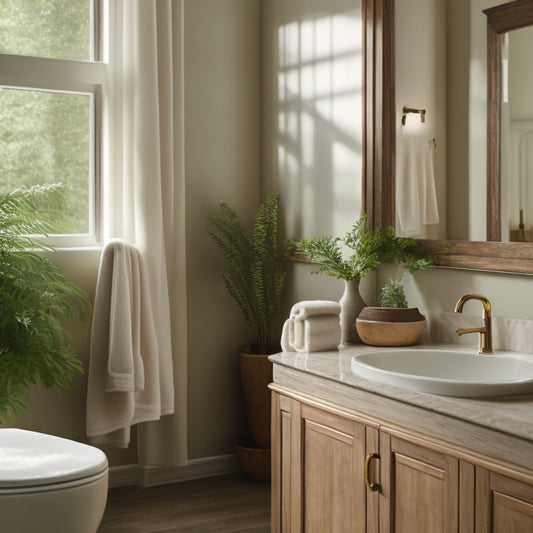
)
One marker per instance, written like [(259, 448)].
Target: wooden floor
[(219, 504)]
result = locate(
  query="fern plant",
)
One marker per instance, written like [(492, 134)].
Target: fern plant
[(35, 299), (255, 269), (360, 251)]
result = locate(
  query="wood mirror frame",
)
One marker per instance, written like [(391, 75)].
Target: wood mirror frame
[(379, 113), (380, 143)]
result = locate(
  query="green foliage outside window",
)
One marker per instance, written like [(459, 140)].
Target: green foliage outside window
[(45, 139), (59, 29), (45, 136)]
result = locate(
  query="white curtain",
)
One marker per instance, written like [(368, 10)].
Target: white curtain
[(143, 186)]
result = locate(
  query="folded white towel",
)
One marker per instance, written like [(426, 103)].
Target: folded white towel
[(124, 382), (308, 308), (313, 326)]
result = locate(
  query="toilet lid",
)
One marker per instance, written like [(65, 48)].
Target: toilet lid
[(31, 459)]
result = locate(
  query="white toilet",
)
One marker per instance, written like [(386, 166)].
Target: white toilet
[(49, 484)]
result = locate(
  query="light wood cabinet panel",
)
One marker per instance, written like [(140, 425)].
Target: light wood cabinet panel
[(319, 455), (503, 505), (420, 488), (466, 497), (318, 470), (333, 452), (372, 497), (284, 496)]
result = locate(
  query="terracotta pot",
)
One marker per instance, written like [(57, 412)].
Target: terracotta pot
[(255, 462), (388, 326), (256, 375)]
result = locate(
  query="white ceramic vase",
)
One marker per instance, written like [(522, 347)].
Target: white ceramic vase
[(351, 304)]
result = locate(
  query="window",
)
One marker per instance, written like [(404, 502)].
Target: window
[(51, 80)]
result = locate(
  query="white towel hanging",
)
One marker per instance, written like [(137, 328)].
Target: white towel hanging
[(124, 375), (416, 198), (430, 209)]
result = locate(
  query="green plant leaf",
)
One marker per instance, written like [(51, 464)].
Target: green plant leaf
[(367, 250), (255, 270), (35, 300)]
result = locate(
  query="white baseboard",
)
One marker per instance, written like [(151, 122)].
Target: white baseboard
[(135, 474)]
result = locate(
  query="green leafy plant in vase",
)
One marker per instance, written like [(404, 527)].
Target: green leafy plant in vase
[(35, 300), (254, 275), (352, 256)]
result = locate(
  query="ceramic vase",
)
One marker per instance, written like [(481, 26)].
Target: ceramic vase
[(351, 304)]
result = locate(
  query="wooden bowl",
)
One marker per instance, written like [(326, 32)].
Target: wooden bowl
[(388, 326)]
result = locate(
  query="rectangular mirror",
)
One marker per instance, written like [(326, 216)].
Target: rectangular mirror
[(461, 234)]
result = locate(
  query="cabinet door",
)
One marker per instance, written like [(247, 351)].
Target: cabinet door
[(284, 412), (503, 505), (419, 489), (318, 461), (332, 478)]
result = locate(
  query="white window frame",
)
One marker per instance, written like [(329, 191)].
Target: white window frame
[(71, 76)]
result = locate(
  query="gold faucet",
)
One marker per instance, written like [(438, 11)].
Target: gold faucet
[(485, 332)]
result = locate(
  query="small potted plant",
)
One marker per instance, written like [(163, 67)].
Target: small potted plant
[(35, 299), (351, 257), (393, 323), (254, 275)]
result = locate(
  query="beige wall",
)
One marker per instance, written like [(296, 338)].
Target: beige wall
[(222, 163), (312, 128), (312, 112)]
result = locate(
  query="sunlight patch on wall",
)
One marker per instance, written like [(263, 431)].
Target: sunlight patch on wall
[(344, 161), (319, 117)]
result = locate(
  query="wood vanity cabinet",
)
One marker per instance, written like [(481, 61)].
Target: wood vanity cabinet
[(503, 504), (322, 479), (319, 476), (419, 488)]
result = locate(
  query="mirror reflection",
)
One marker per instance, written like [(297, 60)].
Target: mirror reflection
[(448, 152), (517, 136)]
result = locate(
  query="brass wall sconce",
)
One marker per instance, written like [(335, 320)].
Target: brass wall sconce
[(406, 110)]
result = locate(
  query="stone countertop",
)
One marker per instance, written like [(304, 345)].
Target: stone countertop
[(512, 415)]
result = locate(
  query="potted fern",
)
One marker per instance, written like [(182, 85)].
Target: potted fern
[(254, 275), (352, 256), (35, 299)]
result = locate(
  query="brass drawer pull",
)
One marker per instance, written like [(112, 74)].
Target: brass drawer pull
[(371, 484)]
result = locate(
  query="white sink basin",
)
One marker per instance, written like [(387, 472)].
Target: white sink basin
[(448, 372)]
